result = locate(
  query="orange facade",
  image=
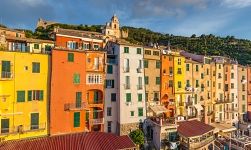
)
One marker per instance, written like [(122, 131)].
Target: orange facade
[(77, 86), (167, 80)]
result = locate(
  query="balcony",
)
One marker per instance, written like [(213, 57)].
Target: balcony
[(231, 110), (139, 87), (23, 129), (6, 75), (97, 121), (126, 69), (127, 86), (243, 81), (188, 88), (74, 106), (201, 143)]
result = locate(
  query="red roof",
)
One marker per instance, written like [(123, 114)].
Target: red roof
[(80, 141), (193, 128)]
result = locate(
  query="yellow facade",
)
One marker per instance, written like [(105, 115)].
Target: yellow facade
[(23, 82), (180, 84)]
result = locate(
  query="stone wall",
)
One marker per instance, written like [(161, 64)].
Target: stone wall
[(125, 129)]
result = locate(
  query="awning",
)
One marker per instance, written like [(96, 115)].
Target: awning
[(158, 109)]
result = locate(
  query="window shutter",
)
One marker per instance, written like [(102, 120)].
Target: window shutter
[(112, 83), (76, 119), (41, 95), (29, 95)]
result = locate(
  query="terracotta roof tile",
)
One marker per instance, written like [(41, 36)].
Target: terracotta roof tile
[(193, 128), (79, 141)]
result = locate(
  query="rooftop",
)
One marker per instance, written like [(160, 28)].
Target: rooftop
[(28, 40), (193, 128), (91, 140)]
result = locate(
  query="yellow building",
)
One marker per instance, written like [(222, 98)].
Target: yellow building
[(24, 82), (180, 84)]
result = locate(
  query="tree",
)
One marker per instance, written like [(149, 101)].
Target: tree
[(137, 137)]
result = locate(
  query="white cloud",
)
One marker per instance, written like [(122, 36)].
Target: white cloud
[(236, 3)]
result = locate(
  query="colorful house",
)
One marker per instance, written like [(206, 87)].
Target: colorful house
[(78, 65), (24, 88)]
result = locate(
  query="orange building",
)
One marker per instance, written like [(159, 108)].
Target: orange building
[(167, 86), (77, 82)]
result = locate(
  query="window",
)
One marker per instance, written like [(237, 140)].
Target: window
[(219, 85), (243, 87), (232, 86), (138, 50), (76, 78), (202, 75), (86, 46), (170, 70), (20, 96), (127, 80), (6, 69), (140, 112), (76, 119), (96, 97), (140, 84), (207, 71), (195, 99), (35, 95), (36, 46), (197, 83), (219, 66), (232, 75), (179, 84), (109, 126), (146, 80), (179, 71), (70, 57), (109, 111), (34, 121), (5, 125), (72, 45), (157, 80), (179, 61), (147, 52), (157, 64), (35, 67), (145, 63), (170, 83), (243, 108), (94, 79), (170, 58), (243, 97), (113, 97), (109, 83), (139, 97), (128, 97), (232, 96), (109, 69), (156, 53), (132, 113), (96, 46), (78, 99), (126, 49), (146, 96), (140, 64), (197, 68), (187, 67), (156, 96), (188, 83)]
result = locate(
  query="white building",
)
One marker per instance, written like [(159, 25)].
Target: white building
[(128, 75), (234, 91)]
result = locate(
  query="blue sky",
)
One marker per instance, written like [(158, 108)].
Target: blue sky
[(178, 17)]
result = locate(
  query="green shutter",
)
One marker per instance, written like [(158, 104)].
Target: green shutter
[(95, 96), (140, 112), (128, 97), (138, 50), (109, 69), (126, 49), (78, 99), (76, 78), (20, 96), (146, 80), (87, 116), (5, 123), (5, 66), (41, 95), (140, 97), (95, 113), (35, 67), (34, 121), (76, 119), (145, 63), (70, 57), (157, 80), (157, 64), (29, 95)]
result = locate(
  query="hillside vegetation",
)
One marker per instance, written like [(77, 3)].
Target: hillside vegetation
[(229, 46)]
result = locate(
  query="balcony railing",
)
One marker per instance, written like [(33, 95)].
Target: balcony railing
[(6, 75), (201, 143), (74, 106), (97, 121), (140, 87), (127, 86), (231, 110), (96, 102), (22, 129)]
